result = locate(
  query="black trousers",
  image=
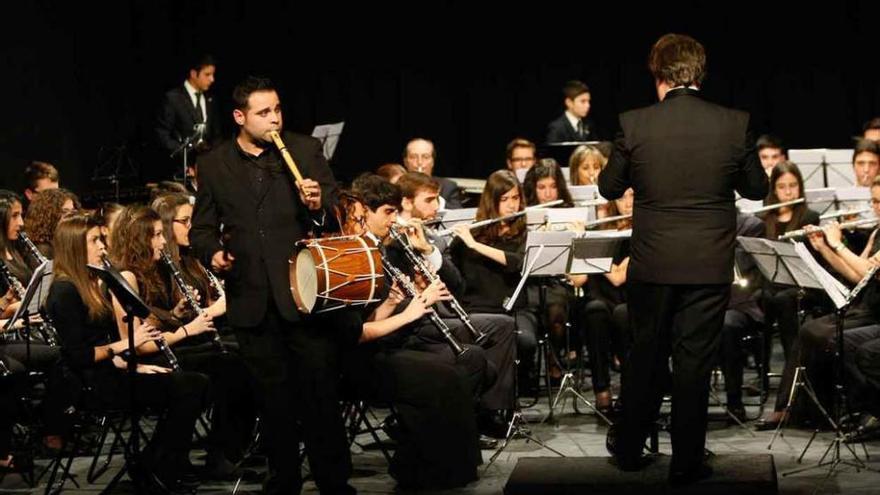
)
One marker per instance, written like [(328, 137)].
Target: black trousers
[(230, 394), (62, 388), (862, 364), (814, 348), (296, 367), (438, 444), (732, 354), (682, 321)]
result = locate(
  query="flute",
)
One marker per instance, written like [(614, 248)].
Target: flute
[(600, 221), (843, 213), (794, 234), (775, 206), (490, 221)]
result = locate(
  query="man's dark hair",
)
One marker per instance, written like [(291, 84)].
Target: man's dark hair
[(678, 60), (39, 170), (202, 61), (769, 141), (249, 86), (375, 191), (865, 145), (573, 89), (871, 124)]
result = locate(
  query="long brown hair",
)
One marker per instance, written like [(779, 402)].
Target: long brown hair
[(166, 205), (543, 171), (45, 211), (8, 199), (497, 185), (131, 250), (771, 218), (71, 257)]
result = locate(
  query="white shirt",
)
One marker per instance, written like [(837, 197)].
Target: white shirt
[(572, 119), (191, 91)]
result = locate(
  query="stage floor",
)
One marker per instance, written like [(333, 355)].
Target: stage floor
[(573, 435)]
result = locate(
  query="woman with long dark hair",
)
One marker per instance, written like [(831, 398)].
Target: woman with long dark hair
[(490, 259), (231, 390), (93, 347)]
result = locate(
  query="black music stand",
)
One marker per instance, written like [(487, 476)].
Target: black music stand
[(842, 299), (34, 297), (134, 307)]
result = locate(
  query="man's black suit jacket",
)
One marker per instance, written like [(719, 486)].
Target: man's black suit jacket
[(561, 131), (450, 191), (264, 227), (177, 118), (684, 158)]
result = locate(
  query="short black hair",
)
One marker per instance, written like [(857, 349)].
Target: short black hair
[(375, 191), (574, 88), (249, 86), (769, 141), (871, 124), (200, 62)]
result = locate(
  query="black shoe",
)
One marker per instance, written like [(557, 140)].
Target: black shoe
[(688, 476), (488, 443), (493, 423), (765, 424), (391, 427)]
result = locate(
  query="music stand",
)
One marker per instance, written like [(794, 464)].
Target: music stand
[(815, 164), (842, 299), (34, 297), (329, 135), (191, 141), (535, 246), (451, 218), (134, 307)]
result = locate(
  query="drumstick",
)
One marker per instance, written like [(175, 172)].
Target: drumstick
[(276, 138)]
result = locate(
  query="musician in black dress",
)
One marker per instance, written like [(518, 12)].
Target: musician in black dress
[(94, 349)]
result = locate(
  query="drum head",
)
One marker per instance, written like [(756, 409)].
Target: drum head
[(304, 281)]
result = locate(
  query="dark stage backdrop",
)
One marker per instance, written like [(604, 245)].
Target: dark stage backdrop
[(83, 82)]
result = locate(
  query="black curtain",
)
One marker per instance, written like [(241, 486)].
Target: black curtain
[(83, 84)]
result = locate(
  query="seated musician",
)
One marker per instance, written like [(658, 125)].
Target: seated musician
[(603, 312), (233, 402), (815, 338), (585, 164), (520, 154), (80, 307), (43, 215), (545, 183), (419, 204), (138, 241), (40, 354), (432, 395)]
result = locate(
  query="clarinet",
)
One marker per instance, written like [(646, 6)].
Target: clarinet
[(160, 342), (419, 263), (215, 282), (50, 335), (411, 291), (47, 329), (188, 294)]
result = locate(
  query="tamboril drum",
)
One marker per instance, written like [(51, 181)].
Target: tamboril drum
[(335, 272)]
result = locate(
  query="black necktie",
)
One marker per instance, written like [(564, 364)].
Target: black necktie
[(580, 129), (199, 116)]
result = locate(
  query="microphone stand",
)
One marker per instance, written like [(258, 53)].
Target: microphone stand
[(196, 137)]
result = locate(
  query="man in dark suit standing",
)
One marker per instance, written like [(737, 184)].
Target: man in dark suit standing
[(187, 109), (573, 125), (684, 157), (246, 189), (419, 156)]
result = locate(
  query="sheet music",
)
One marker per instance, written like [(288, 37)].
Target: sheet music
[(329, 134), (835, 290)]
